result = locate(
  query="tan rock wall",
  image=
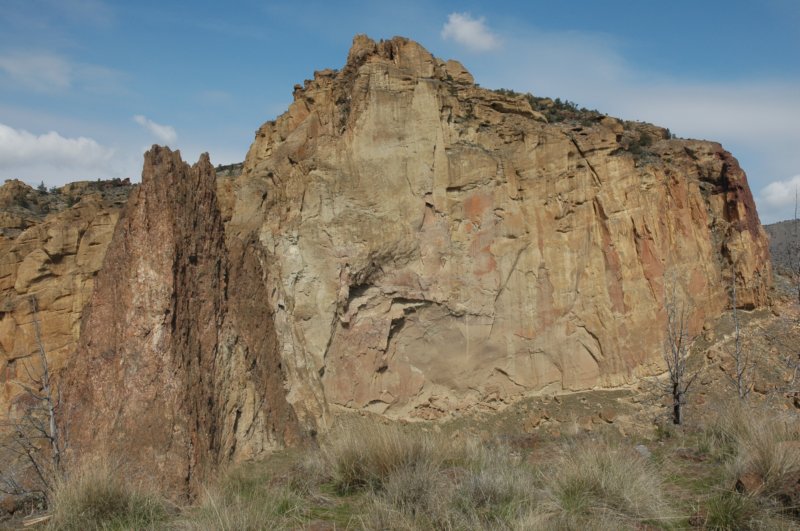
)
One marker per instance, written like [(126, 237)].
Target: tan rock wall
[(54, 260), (435, 246), (400, 241)]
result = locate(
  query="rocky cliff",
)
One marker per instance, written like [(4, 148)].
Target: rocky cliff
[(436, 246), (400, 241), (51, 247), (177, 366)]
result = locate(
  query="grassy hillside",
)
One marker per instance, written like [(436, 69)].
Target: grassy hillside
[(784, 246)]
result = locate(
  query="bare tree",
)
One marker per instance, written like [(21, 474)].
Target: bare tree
[(33, 435), (743, 366), (676, 353)]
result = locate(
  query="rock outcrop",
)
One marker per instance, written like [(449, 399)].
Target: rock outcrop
[(51, 247), (434, 246), (177, 365), (400, 241)]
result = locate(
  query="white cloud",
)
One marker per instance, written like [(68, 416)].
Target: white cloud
[(780, 194), (21, 151), (164, 133), (42, 72), (469, 32), (50, 73)]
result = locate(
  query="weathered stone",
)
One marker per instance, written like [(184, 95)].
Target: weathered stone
[(608, 414), (427, 237), (54, 259), (643, 451), (177, 368), (749, 483)]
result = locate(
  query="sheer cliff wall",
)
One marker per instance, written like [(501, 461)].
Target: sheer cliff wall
[(400, 241)]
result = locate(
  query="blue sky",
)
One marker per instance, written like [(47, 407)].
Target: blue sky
[(87, 85)]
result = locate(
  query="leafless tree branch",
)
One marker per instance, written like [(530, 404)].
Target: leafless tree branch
[(32, 434), (742, 378), (676, 352)]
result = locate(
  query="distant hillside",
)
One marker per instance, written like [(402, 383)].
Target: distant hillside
[(229, 170), (784, 245)]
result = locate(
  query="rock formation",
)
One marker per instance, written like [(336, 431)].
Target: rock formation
[(434, 246), (51, 247), (400, 241), (177, 366)]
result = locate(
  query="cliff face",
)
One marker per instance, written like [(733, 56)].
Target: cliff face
[(435, 246), (51, 247), (176, 367), (400, 241)]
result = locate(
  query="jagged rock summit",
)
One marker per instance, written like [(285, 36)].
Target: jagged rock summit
[(400, 241)]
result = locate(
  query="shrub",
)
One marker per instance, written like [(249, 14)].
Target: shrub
[(492, 491), (237, 511), (362, 455), (750, 442), (760, 454), (97, 496), (413, 480), (595, 485), (498, 494), (730, 510), (244, 499)]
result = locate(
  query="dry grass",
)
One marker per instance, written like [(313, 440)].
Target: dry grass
[(496, 497), (763, 444), (244, 499), (594, 486), (759, 452), (368, 475), (361, 454), (730, 510), (422, 482), (419, 480), (97, 496)]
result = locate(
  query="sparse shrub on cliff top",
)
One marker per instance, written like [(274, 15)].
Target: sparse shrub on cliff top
[(556, 110)]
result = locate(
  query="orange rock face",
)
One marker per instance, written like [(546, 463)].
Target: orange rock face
[(50, 251), (399, 241), (433, 242)]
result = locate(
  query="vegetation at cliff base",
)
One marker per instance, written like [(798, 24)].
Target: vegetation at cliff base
[(742, 473)]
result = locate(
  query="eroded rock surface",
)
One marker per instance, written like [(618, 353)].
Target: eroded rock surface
[(399, 241), (432, 245), (177, 367), (51, 247)]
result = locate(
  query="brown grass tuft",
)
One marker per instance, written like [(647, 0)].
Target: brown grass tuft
[(96, 496), (594, 486)]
